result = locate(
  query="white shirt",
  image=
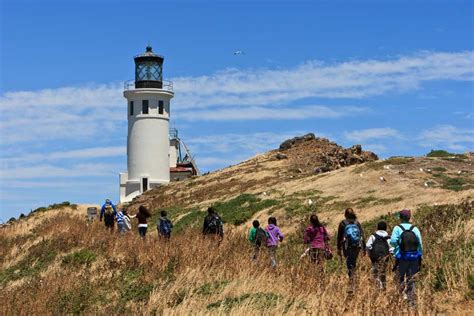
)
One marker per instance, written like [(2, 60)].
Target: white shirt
[(381, 233)]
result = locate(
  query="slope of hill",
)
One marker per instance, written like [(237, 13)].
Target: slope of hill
[(53, 261)]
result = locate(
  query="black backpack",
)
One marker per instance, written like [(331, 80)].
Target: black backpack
[(215, 224), (380, 248), (408, 240), (260, 236)]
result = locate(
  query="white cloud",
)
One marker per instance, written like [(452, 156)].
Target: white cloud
[(448, 137), (372, 133), (355, 79), (85, 112), (86, 153), (50, 171), (270, 113)]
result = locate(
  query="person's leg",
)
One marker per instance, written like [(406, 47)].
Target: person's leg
[(412, 270), (256, 250), (272, 252), (374, 271), (141, 231), (351, 261), (402, 272), (382, 270)]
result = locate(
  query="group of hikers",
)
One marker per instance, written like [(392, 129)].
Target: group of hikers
[(404, 244)]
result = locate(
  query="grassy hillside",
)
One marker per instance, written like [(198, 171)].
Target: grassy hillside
[(53, 261), (65, 265)]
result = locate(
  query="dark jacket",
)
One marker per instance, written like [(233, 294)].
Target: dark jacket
[(209, 229), (142, 218), (340, 234)]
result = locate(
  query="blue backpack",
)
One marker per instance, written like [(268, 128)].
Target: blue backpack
[(352, 235), (165, 227)]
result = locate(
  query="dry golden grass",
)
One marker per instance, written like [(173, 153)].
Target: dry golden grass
[(191, 275)]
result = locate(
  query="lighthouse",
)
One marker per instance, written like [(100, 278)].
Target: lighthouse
[(148, 113)]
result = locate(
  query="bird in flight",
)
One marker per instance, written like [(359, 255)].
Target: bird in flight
[(239, 52)]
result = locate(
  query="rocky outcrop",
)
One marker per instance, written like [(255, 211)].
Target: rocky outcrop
[(310, 154)]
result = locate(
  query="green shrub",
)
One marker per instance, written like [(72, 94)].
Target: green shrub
[(212, 288), (240, 209), (189, 221), (37, 260), (444, 154), (74, 301), (257, 300), (81, 257)]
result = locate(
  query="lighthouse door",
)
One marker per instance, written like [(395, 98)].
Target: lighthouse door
[(144, 184)]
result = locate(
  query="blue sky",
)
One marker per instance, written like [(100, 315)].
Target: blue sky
[(395, 76)]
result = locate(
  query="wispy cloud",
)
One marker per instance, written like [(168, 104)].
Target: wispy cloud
[(86, 153), (372, 133), (271, 113), (448, 136), (44, 171), (355, 79)]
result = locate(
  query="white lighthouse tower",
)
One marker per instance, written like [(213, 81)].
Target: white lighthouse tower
[(148, 143)]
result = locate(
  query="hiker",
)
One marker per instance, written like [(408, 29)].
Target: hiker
[(274, 237), (379, 248), (257, 236), (317, 237), (350, 241), (213, 224), (142, 216), (165, 226), (408, 252), (120, 218), (108, 213)]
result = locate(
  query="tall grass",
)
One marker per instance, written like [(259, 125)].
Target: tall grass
[(78, 268)]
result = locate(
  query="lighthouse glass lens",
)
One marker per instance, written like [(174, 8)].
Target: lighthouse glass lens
[(148, 70)]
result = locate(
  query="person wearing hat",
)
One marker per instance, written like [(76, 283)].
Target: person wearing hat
[(408, 251)]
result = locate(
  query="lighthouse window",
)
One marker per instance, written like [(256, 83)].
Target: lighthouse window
[(145, 107), (131, 108), (160, 107)]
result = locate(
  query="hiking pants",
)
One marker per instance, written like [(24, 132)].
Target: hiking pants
[(351, 255), (122, 228), (109, 221), (379, 272), (316, 255), (256, 252), (142, 231), (406, 273), (272, 254)]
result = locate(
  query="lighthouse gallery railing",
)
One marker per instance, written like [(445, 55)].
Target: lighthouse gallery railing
[(130, 85)]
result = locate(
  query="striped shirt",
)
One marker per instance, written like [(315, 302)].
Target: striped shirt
[(120, 217)]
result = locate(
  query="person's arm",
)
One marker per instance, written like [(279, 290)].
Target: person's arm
[(306, 237), (171, 224), (279, 234), (113, 206), (340, 235), (362, 236), (420, 246), (370, 241), (327, 237)]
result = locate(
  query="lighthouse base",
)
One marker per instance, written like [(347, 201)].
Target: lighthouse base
[(131, 188)]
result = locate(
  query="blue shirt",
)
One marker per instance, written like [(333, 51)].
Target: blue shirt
[(102, 210), (395, 239)]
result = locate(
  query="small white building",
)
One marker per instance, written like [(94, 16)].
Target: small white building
[(151, 153)]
